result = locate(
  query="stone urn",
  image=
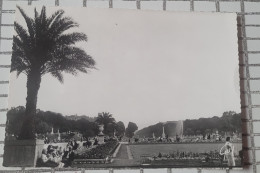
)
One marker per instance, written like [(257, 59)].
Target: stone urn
[(101, 128), (101, 138)]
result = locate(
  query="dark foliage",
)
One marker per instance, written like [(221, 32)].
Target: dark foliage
[(157, 129), (228, 122), (78, 117), (45, 121), (131, 128), (120, 128)]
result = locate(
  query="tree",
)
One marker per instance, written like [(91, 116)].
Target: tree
[(230, 121), (42, 128), (88, 129), (120, 128), (198, 132), (44, 47), (45, 121), (14, 120), (108, 121), (131, 128), (189, 131)]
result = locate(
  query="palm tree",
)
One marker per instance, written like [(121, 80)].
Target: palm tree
[(44, 47), (105, 118), (108, 121)]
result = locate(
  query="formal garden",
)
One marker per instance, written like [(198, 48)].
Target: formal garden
[(50, 139)]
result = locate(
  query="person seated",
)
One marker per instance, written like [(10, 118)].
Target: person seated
[(71, 142), (87, 144), (75, 145), (44, 158), (51, 148), (46, 140), (60, 152), (57, 159), (65, 153), (68, 157), (96, 142)]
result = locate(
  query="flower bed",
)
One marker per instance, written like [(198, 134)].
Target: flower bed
[(103, 151), (212, 155), (176, 158)]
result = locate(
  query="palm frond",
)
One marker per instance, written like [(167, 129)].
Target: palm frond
[(21, 44), (70, 60), (59, 26), (19, 65), (20, 50), (71, 38), (58, 75), (54, 17), (29, 21), (36, 14), (22, 33), (43, 15)]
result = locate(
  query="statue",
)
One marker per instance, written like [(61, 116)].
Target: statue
[(59, 138), (163, 134)]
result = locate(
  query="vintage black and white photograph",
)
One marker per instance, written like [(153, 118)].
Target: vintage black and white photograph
[(111, 88)]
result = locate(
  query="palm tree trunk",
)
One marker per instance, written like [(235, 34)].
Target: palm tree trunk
[(33, 85)]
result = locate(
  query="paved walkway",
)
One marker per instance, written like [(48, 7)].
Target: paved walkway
[(122, 153), (125, 158), (130, 156)]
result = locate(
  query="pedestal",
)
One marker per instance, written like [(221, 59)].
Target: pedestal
[(22, 153), (101, 139)]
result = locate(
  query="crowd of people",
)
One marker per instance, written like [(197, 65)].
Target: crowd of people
[(56, 156)]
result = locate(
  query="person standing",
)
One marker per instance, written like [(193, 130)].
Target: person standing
[(228, 151)]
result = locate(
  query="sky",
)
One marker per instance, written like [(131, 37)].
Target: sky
[(151, 67)]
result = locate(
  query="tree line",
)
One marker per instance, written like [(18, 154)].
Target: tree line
[(46, 120), (230, 121)]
